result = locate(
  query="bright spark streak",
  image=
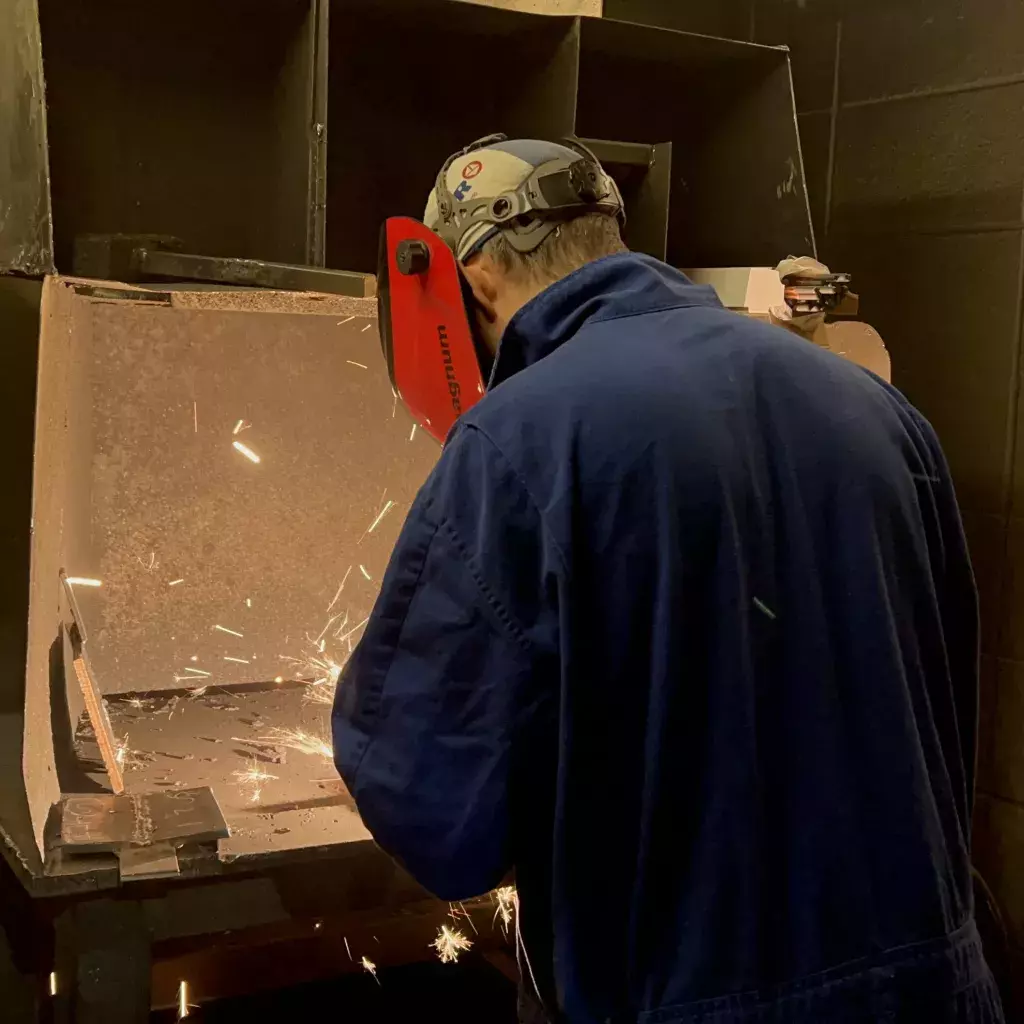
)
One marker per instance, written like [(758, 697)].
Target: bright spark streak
[(508, 904), (369, 966), (248, 602), (362, 569), (233, 632), (254, 776), (345, 321), (238, 426), (196, 671), (355, 629), (300, 740), (196, 692), (352, 362), (195, 417), (175, 583), (366, 328), (412, 433), (450, 942), (53, 983), (84, 581), (462, 912), (341, 587), (241, 661), (348, 949), (124, 756), (183, 1004), (245, 450), (136, 702), (383, 512)]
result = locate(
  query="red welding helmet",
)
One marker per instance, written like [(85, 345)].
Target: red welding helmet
[(520, 188), (424, 326)]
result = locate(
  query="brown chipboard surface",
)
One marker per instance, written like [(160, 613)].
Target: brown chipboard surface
[(185, 740), (138, 484), (164, 491), (25, 231), (59, 361)]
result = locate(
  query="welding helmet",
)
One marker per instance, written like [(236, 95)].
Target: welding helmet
[(522, 188)]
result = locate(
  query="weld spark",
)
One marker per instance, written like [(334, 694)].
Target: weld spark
[(245, 450), (450, 943)]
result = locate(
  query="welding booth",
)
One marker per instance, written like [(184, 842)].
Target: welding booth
[(204, 481)]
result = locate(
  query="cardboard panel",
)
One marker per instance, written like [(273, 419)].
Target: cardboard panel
[(415, 82), (183, 118), (25, 242), (947, 309), (893, 48), (941, 162), (738, 196)]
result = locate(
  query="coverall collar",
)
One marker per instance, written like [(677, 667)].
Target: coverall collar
[(622, 285)]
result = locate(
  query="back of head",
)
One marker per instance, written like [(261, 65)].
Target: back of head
[(539, 210)]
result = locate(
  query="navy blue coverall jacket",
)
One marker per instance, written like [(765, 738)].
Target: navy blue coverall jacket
[(683, 628)]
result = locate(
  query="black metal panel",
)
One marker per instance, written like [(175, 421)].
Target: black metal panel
[(644, 176), (935, 163), (809, 30), (731, 19), (25, 243), (737, 189), (182, 117), (411, 82), (916, 45)]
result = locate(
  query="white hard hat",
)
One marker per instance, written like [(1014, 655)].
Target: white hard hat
[(521, 187)]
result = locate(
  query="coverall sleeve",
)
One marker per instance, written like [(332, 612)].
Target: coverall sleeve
[(448, 673)]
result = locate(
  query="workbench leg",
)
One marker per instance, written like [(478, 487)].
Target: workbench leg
[(17, 991), (103, 964)]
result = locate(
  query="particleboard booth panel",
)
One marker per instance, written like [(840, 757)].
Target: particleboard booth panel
[(216, 568)]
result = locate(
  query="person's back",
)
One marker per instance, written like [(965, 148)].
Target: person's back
[(768, 650), (684, 629)]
